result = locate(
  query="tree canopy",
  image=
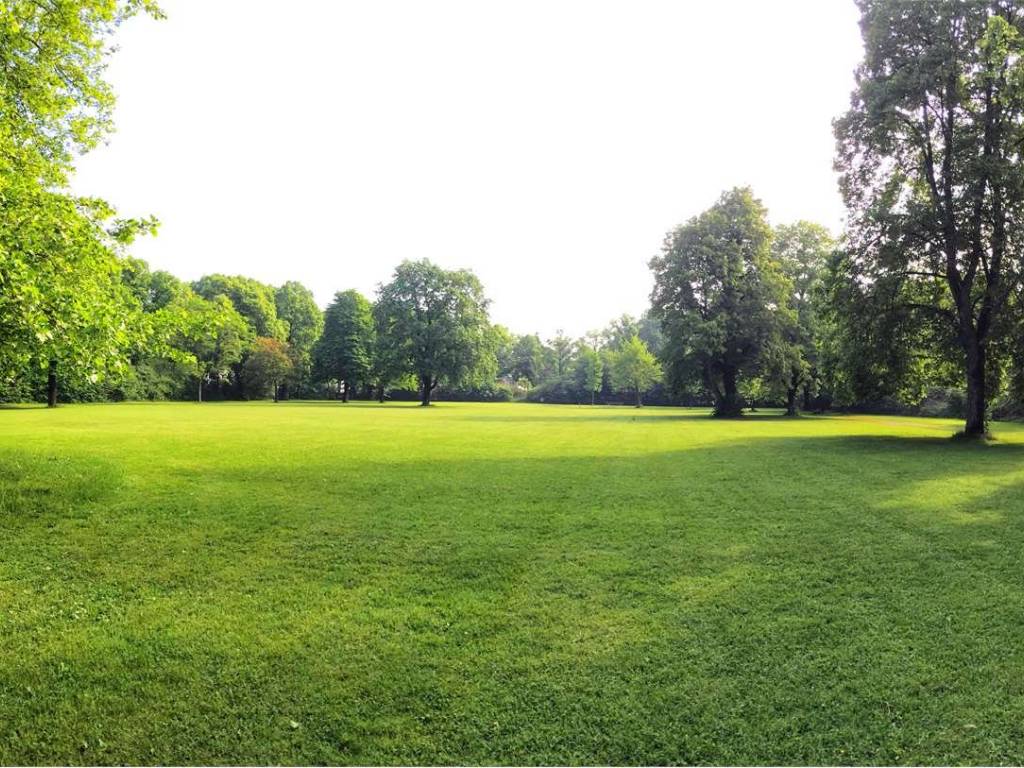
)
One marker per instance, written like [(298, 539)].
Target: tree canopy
[(436, 322)]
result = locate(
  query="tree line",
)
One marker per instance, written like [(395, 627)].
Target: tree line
[(915, 305)]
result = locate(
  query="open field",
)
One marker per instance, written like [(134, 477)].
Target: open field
[(304, 583)]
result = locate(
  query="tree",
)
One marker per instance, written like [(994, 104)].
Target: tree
[(64, 307), (528, 358), (267, 367), (436, 322), (297, 307), (931, 170), (54, 102), (561, 347), (255, 301), (802, 251), (344, 352), (634, 367), (589, 370), (717, 294), (212, 332)]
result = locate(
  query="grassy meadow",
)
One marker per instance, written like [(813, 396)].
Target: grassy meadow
[(478, 583)]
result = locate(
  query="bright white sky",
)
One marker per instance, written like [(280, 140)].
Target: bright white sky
[(548, 146)]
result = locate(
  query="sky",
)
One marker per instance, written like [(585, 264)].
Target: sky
[(548, 146)]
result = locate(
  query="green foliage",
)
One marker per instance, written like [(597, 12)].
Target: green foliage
[(267, 366), (527, 360), (345, 351), (63, 301), (633, 367), (297, 308), (435, 322), (720, 297), (54, 102), (589, 370), (255, 301), (933, 176)]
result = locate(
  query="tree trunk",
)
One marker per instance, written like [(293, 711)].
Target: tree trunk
[(729, 404), (975, 425), (380, 393), (638, 400), (275, 393), (344, 394), (426, 385), (51, 385), (807, 397), (200, 390), (791, 401), (593, 397)]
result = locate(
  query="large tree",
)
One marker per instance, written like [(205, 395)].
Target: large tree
[(62, 304), (305, 320), (930, 159), (718, 295), (345, 351), (54, 101), (435, 320), (802, 251)]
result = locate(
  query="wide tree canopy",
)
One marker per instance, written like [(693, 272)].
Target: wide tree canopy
[(931, 172), (436, 321), (718, 295)]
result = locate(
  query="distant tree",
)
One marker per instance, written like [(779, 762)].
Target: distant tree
[(297, 307), (635, 368), (561, 347), (267, 366), (528, 358), (932, 173), (212, 332), (436, 321), (717, 295), (345, 350), (255, 301), (802, 251), (589, 370)]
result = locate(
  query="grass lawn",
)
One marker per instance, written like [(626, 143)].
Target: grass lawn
[(308, 583)]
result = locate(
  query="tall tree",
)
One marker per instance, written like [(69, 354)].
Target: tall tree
[(297, 307), (717, 294), (589, 370), (62, 303), (344, 352), (634, 367), (54, 102), (802, 251), (64, 307), (561, 352), (931, 167), (436, 321)]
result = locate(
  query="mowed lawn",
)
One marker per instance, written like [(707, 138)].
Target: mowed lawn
[(476, 583)]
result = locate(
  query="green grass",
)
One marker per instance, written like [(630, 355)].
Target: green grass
[(310, 583)]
